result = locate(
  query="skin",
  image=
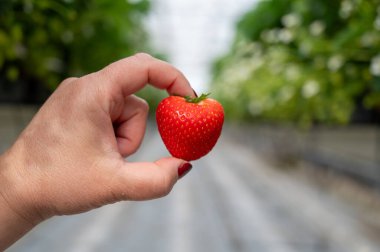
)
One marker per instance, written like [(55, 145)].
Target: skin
[(71, 157)]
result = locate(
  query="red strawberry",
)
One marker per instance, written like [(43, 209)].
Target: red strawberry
[(189, 127)]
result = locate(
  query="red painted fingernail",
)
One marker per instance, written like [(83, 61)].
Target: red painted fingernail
[(195, 93), (184, 169)]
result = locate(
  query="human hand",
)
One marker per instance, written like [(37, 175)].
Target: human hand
[(70, 158)]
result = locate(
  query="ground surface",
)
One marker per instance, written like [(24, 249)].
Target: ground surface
[(232, 200)]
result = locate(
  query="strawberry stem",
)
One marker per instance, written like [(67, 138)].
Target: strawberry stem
[(196, 99)]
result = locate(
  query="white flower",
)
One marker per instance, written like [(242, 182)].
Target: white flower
[(346, 8), (317, 28), (305, 47), (255, 107), (285, 36), (270, 36), (376, 23), (375, 65), (291, 20), (54, 64), (292, 73), (255, 62), (335, 62), (310, 88), (367, 39), (20, 50), (286, 93)]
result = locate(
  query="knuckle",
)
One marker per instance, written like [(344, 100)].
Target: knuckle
[(70, 79), (143, 56), (81, 84), (67, 81)]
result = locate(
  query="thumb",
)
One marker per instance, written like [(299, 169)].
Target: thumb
[(144, 180)]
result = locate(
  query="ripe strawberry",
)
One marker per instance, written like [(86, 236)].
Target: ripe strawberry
[(189, 127)]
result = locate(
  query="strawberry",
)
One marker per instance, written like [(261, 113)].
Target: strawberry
[(189, 127)]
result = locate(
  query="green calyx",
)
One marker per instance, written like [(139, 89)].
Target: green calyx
[(196, 99)]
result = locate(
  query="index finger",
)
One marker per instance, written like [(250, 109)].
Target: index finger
[(131, 74)]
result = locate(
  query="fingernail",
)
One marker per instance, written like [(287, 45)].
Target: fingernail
[(184, 169), (195, 93)]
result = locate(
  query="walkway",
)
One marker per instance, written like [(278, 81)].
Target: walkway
[(231, 201)]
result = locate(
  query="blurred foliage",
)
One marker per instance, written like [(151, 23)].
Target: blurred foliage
[(302, 61), (45, 41)]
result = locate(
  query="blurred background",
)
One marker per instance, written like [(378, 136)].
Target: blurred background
[(297, 167)]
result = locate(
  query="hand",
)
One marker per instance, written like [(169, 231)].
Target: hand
[(70, 158)]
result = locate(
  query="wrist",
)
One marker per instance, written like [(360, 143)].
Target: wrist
[(12, 225), (16, 214)]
